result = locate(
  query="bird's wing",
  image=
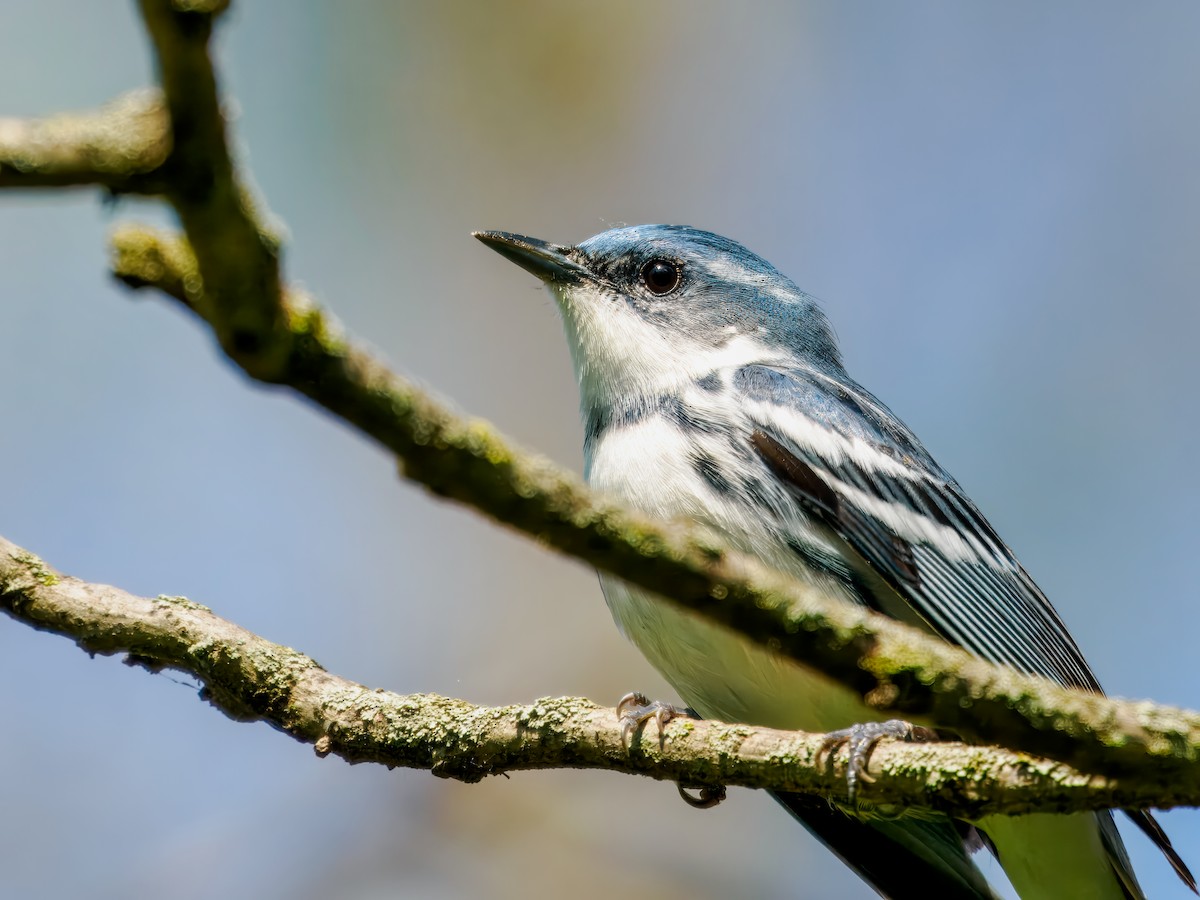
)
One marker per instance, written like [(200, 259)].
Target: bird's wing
[(860, 472)]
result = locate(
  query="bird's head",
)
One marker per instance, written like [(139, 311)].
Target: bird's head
[(649, 307)]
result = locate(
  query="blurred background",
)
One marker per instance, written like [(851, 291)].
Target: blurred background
[(999, 205)]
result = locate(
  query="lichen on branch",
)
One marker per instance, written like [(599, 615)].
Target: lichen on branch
[(251, 679)]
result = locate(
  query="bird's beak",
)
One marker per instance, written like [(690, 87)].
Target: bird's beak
[(549, 262)]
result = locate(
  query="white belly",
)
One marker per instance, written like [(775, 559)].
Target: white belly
[(724, 676)]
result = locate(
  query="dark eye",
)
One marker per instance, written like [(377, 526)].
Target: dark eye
[(661, 276)]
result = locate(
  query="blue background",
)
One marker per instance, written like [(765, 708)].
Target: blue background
[(999, 205)]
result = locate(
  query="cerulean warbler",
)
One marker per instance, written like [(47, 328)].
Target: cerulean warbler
[(713, 391)]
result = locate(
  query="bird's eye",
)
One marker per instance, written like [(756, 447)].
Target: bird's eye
[(661, 276)]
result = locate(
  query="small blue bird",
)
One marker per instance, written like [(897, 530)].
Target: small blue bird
[(713, 391)]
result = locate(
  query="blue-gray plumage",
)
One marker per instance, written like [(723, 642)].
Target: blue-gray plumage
[(713, 390)]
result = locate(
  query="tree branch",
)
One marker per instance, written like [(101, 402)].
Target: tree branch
[(121, 147), (250, 678), (237, 255)]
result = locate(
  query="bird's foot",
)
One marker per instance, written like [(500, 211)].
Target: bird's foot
[(861, 739), (634, 710)]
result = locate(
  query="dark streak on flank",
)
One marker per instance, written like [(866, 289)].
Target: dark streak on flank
[(835, 567), (692, 420), (598, 420), (754, 489), (708, 469)]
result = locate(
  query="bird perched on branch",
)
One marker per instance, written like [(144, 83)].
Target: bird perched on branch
[(713, 390)]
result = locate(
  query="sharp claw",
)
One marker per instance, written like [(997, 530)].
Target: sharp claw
[(635, 710), (707, 798), (860, 740), (633, 698)]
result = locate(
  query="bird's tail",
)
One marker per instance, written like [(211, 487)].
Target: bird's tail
[(1087, 857), (901, 858)]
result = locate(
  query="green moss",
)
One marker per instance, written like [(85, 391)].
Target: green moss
[(182, 602), (305, 319), (202, 7), (38, 570)]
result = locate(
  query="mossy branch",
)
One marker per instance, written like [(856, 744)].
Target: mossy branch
[(251, 679), (236, 253), (121, 147)]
